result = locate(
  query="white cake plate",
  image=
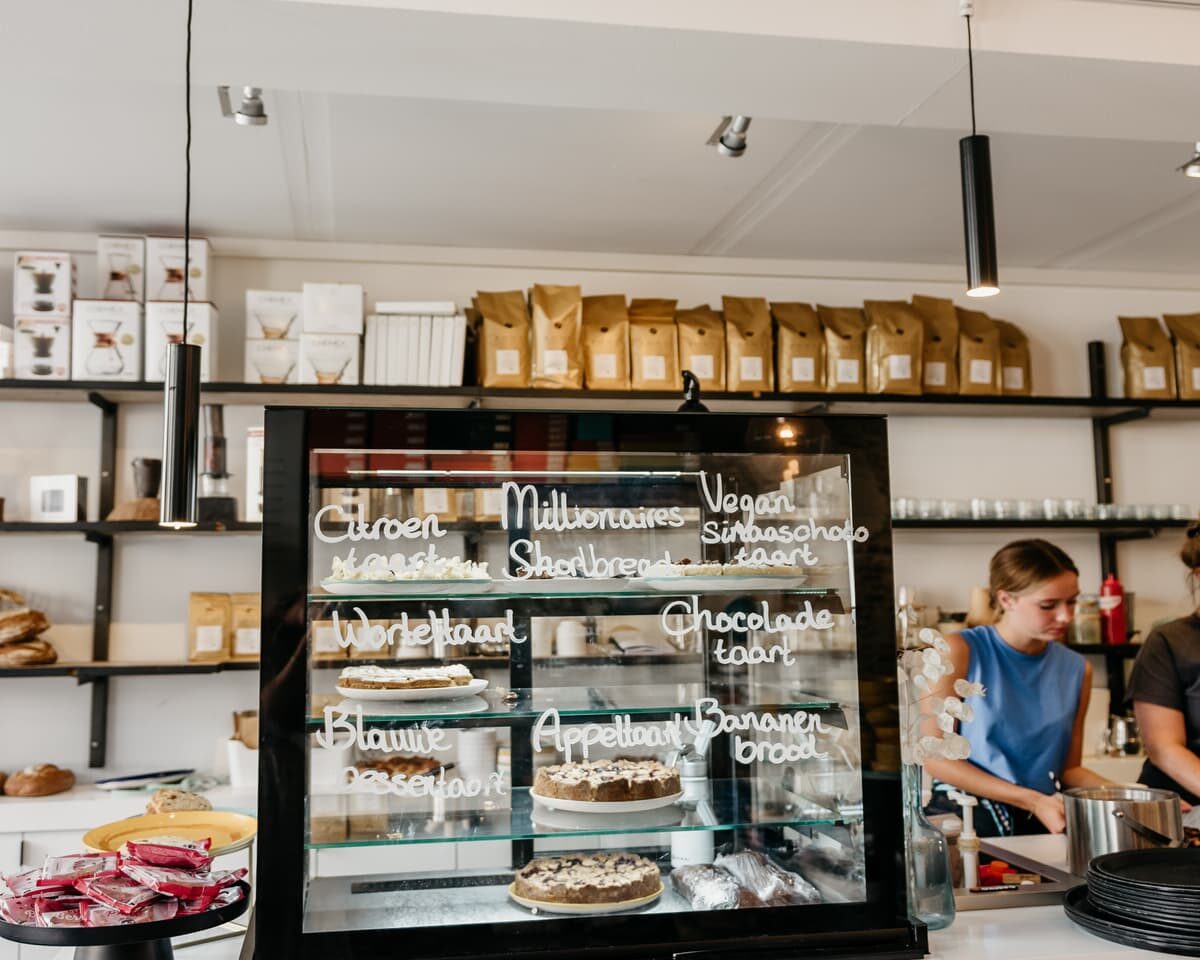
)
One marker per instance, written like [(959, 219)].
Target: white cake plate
[(609, 806), (416, 694), (584, 908)]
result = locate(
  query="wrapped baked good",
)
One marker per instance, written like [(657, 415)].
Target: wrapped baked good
[(18, 909), (170, 801), (101, 915), (27, 653), (770, 883), (705, 887), (26, 884), (170, 852), (54, 913), (119, 892), (226, 897), (68, 870), (41, 780), (184, 884)]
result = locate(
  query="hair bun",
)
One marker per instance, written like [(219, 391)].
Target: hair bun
[(1193, 530)]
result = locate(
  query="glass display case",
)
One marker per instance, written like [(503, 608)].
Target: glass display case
[(535, 682)]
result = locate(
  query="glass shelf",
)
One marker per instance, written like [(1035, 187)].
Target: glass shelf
[(734, 804), (565, 589), (651, 698)]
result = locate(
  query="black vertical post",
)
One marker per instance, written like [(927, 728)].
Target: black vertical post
[(520, 678), (102, 601)]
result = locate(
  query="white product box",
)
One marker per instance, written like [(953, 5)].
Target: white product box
[(333, 308), (60, 498), (273, 314), (255, 445), (6, 352), (42, 348), (106, 340), (165, 268), (329, 358), (43, 283), (164, 324), (443, 308), (121, 268), (272, 361)]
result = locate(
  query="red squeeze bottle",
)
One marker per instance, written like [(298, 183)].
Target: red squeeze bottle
[(1112, 611)]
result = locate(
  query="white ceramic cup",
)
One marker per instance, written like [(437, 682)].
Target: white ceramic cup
[(541, 630), (570, 639)]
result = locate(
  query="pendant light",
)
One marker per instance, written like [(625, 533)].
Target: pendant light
[(979, 218), (181, 381)]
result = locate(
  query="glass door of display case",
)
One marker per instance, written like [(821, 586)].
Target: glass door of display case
[(600, 680)]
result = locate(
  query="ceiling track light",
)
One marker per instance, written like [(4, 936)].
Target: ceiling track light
[(979, 215), (250, 113), (1192, 167), (730, 136)]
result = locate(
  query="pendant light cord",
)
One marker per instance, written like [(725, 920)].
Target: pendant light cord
[(187, 166), (970, 72)]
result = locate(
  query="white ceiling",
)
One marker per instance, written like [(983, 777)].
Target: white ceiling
[(423, 128)]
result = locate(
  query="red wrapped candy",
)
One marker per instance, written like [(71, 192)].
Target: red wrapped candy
[(47, 915), (101, 915), (170, 852), (18, 909), (183, 884), (64, 871), (27, 884), (117, 891), (226, 897)]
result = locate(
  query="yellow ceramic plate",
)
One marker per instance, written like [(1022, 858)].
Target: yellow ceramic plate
[(228, 831)]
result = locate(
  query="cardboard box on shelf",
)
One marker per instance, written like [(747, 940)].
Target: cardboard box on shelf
[(210, 619), (333, 308), (255, 446), (329, 358), (121, 268), (6, 352), (245, 633), (164, 324), (165, 267), (42, 347), (272, 361), (59, 498), (43, 284), (106, 340), (325, 645), (273, 314), (437, 501)]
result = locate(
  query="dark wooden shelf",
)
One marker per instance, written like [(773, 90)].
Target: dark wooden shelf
[(1102, 526), (119, 527), (88, 670)]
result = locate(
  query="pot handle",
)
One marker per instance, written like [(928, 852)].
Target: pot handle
[(1145, 832)]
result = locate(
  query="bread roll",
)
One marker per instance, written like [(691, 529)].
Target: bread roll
[(27, 653), (22, 625), (170, 801), (41, 780)]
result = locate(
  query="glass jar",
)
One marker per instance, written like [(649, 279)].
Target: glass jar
[(1085, 628)]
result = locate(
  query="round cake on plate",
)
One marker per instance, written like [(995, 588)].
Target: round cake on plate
[(587, 878), (607, 781)]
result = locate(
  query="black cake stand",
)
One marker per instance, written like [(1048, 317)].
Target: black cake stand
[(137, 941)]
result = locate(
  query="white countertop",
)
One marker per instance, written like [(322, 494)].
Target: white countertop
[(85, 806)]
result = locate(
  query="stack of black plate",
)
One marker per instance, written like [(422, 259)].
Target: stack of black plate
[(1142, 898)]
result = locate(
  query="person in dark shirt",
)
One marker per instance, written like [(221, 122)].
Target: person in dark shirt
[(1165, 690)]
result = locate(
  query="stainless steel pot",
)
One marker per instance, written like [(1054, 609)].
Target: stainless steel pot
[(1092, 829)]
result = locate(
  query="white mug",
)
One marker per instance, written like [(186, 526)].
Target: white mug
[(541, 636), (570, 639)]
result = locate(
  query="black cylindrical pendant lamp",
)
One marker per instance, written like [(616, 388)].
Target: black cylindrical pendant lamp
[(979, 218), (181, 436)]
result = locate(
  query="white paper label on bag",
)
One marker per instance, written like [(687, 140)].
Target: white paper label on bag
[(210, 639), (247, 640), (435, 500), (508, 362), (804, 369), (1195, 377), (654, 368), (847, 371), (899, 366), (604, 366), (492, 502), (980, 371), (935, 373), (325, 640), (554, 362), (1014, 378), (702, 365), (1154, 378), (751, 368)]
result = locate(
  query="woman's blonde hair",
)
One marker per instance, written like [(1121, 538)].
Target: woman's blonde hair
[(1025, 564)]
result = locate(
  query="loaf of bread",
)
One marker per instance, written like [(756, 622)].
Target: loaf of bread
[(3, 777), (41, 780), (171, 801), (27, 653), (23, 624)]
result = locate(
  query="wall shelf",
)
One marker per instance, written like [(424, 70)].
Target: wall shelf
[(1115, 527), (87, 671), (121, 527)]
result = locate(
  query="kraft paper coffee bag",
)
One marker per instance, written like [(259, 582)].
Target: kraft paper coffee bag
[(1147, 359), (1016, 378), (557, 360), (978, 354), (749, 352), (799, 348), (702, 345), (895, 345), (653, 349), (940, 361), (1185, 331), (503, 339), (606, 342), (845, 330)]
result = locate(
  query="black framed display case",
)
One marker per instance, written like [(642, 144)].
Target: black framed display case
[(708, 595)]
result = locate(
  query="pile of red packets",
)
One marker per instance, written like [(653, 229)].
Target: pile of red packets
[(148, 880)]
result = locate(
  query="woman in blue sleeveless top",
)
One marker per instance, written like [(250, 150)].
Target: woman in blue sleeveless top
[(1026, 733)]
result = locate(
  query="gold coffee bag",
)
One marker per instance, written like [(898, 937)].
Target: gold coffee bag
[(895, 343), (749, 352), (702, 345), (1185, 331), (557, 356), (210, 619), (652, 345), (845, 331), (1147, 359), (606, 342), (1016, 377), (978, 354), (940, 354), (799, 348), (503, 339)]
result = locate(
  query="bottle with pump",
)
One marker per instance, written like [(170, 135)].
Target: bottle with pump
[(1112, 611)]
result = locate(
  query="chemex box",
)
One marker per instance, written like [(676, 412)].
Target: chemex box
[(121, 268), (329, 358), (273, 314), (168, 277), (272, 361), (42, 348), (106, 340), (164, 324), (333, 308), (43, 284)]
